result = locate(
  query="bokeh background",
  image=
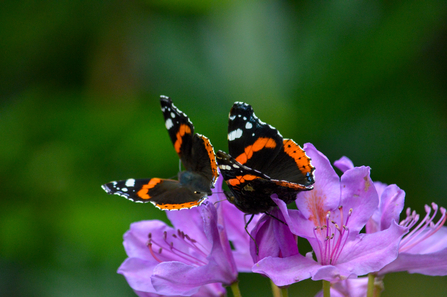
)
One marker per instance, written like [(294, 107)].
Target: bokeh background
[(79, 87)]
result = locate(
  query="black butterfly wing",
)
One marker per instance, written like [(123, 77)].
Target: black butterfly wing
[(250, 141), (194, 150), (165, 194), (261, 147)]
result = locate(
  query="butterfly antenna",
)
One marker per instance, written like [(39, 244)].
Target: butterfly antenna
[(279, 220), (218, 201), (246, 230)]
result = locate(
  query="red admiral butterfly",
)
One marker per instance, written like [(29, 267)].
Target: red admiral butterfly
[(264, 163), (194, 184)]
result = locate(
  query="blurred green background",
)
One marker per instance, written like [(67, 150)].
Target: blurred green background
[(80, 85)]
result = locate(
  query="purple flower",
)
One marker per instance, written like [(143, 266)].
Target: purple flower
[(168, 261), (215, 289), (234, 221), (353, 287), (424, 249), (331, 217), (272, 237)]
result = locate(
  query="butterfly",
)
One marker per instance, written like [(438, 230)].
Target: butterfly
[(261, 163), (193, 185)]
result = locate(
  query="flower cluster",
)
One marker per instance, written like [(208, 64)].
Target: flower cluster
[(208, 245)]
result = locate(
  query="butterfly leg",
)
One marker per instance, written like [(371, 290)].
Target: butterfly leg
[(246, 230)]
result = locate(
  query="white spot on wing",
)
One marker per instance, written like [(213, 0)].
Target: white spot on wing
[(234, 134), (172, 115), (130, 182), (169, 124), (248, 125)]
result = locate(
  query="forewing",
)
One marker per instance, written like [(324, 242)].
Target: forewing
[(180, 128), (250, 141)]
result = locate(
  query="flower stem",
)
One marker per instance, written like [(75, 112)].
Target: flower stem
[(279, 292), (235, 289), (275, 290), (370, 292), (326, 289)]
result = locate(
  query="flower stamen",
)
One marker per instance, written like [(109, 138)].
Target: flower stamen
[(424, 229), (332, 237), (193, 256)]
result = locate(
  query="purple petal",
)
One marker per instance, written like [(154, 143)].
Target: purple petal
[(211, 290), (432, 244), (235, 226), (234, 221), (428, 257), (221, 250), (380, 187), (176, 278), (360, 195), (190, 221), (186, 279), (215, 289), (298, 224), (326, 188), (138, 273), (331, 273), (136, 239), (391, 205), (344, 164), (434, 264), (286, 271), (371, 252), (353, 287), (273, 238)]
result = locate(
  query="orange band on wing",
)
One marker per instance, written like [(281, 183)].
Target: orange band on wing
[(294, 186), (292, 149), (179, 206), (184, 129), (260, 143), (143, 193), (209, 148), (241, 179)]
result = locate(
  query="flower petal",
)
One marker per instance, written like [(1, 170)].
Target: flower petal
[(272, 237), (353, 287), (360, 195), (176, 278), (429, 264), (286, 271), (235, 222), (371, 252), (332, 273), (344, 164), (189, 220), (326, 187), (138, 273), (136, 239), (298, 224), (186, 279), (390, 206)]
